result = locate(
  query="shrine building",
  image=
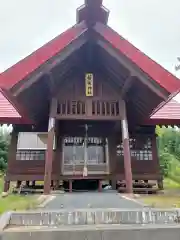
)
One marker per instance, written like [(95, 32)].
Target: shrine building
[(81, 107)]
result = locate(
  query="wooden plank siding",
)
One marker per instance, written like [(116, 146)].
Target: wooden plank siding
[(70, 101), (34, 169)]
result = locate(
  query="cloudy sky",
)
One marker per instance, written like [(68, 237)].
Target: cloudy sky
[(151, 25)]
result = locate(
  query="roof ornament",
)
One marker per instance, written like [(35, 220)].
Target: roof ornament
[(92, 11)]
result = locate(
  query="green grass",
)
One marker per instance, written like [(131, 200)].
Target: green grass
[(16, 202), (171, 184), (162, 201), (170, 197)]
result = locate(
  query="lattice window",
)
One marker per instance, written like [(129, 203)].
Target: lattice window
[(139, 150), (26, 155), (74, 150)]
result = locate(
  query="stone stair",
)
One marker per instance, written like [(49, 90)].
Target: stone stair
[(91, 224)]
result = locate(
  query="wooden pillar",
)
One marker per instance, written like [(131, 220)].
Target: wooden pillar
[(56, 184), (70, 186), (27, 183), (126, 147), (49, 157), (33, 184), (18, 184), (100, 186), (11, 156), (113, 184), (52, 183), (6, 186)]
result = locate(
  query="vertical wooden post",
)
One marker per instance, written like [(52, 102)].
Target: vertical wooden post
[(18, 184), (6, 186), (100, 186), (27, 183), (56, 184), (126, 147), (113, 184), (33, 184), (11, 156), (52, 183), (49, 156), (70, 186)]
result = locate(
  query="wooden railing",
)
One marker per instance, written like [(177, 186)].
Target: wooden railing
[(105, 108), (71, 107), (89, 108), (70, 169)]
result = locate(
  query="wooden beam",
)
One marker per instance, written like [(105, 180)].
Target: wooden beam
[(113, 76), (51, 83), (126, 86), (133, 69), (47, 67)]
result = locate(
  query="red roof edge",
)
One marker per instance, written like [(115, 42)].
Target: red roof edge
[(160, 75), (162, 104), (20, 117), (26, 66)]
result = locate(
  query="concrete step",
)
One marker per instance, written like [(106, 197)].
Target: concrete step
[(82, 217), (98, 232)]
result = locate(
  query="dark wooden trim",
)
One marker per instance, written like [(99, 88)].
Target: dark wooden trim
[(161, 77), (94, 118), (128, 83), (134, 70), (6, 186), (161, 121), (111, 111), (46, 69), (53, 109), (37, 177)]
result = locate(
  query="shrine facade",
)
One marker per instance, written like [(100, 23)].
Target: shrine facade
[(84, 103)]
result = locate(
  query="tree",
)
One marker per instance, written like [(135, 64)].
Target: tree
[(169, 151), (4, 143)]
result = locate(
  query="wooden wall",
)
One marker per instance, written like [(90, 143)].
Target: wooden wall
[(34, 170), (74, 89)]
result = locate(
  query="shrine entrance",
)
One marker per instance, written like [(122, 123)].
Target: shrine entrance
[(85, 156)]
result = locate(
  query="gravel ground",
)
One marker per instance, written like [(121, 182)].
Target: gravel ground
[(91, 199)]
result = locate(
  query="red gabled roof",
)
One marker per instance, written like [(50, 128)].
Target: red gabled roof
[(8, 110), (22, 69), (169, 110), (164, 78), (26, 66)]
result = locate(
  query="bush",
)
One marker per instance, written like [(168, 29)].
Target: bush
[(4, 142)]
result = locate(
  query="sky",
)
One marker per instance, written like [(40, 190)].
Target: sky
[(151, 25)]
